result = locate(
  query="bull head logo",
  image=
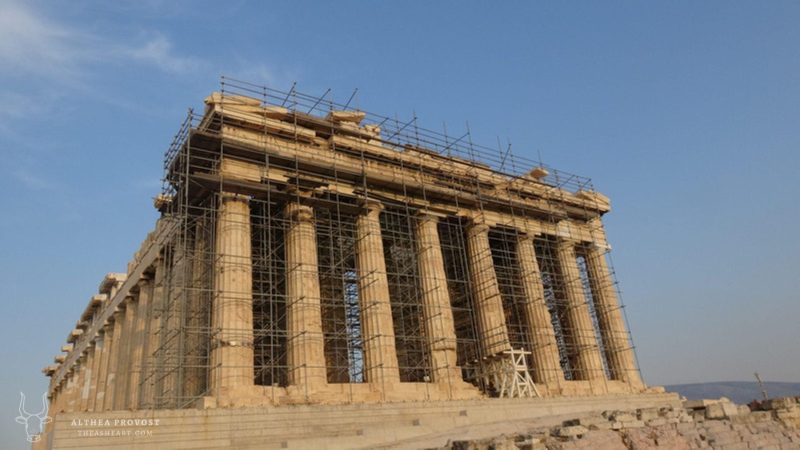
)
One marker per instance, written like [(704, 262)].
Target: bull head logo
[(34, 423)]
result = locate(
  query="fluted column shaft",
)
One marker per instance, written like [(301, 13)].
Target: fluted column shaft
[(380, 355), (193, 359), (436, 309), (488, 303), (126, 345), (541, 335), (97, 357), (619, 351), (66, 392), (86, 377), (305, 342), (232, 318), (138, 341), (113, 360), (74, 403), (57, 404), (589, 363), (152, 335), (102, 374)]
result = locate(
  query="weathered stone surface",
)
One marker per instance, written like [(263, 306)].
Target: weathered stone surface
[(572, 435), (779, 403), (623, 417), (634, 424), (721, 410), (647, 414), (657, 422), (571, 431)]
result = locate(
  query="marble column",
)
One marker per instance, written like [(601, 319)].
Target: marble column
[(440, 330), (305, 342), (147, 396), (377, 326), (589, 364), (194, 379), (86, 377), (58, 397), (541, 335), (97, 357), (122, 385), (71, 391), (113, 360), (621, 360), (102, 374), (138, 340), (488, 306), (232, 316)]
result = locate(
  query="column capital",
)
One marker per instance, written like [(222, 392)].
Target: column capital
[(373, 206), (298, 192), (297, 212), (477, 227), (232, 196), (477, 224), (567, 242), (424, 216), (526, 237), (143, 281)]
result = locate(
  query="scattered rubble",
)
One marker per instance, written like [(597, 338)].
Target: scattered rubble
[(701, 424)]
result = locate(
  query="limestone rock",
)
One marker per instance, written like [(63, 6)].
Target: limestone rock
[(572, 431), (721, 410)]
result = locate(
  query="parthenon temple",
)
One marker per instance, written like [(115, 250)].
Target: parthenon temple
[(310, 253)]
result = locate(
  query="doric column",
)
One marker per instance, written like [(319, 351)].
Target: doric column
[(232, 317), (193, 358), (541, 335), (621, 360), (488, 303), (63, 393), (86, 377), (102, 374), (377, 327), (97, 356), (113, 359), (589, 364), (152, 334), (57, 405), (304, 341), (72, 391), (122, 384), (138, 341), (438, 316)]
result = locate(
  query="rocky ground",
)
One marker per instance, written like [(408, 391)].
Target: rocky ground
[(700, 424)]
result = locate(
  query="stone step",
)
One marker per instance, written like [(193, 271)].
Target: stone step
[(323, 427)]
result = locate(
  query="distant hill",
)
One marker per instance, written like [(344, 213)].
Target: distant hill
[(741, 392)]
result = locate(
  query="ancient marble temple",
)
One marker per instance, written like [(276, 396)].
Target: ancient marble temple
[(311, 253)]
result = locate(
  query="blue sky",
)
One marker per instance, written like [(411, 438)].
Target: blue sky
[(685, 113)]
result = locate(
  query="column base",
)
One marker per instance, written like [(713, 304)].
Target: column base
[(366, 393), (337, 394)]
